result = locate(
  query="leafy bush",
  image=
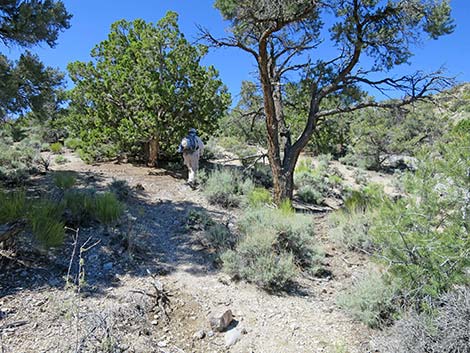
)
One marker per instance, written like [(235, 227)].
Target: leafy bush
[(219, 236), (310, 194), (351, 229), (46, 223), (64, 180), (107, 208), (445, 331), (370, 300), (61, 160), (17, 161), (72, 143), (315, 183), (225, 187), (121, 189), (258, 197), (274, 244), (293, 233), (56, 147), (255, 261), (370, 196), (199, 218)]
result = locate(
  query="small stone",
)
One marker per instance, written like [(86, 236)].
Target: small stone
[(232, 336), (154, 322), (221, 322), (199, 335), (108, 266), (210, 333), (162, 344)]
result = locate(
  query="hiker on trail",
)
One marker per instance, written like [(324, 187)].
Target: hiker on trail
[(192, 147)]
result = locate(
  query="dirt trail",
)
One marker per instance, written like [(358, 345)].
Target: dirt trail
[(306, 320)]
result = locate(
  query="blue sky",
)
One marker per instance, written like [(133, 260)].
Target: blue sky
[(92, 20)]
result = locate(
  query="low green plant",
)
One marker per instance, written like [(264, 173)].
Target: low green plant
[(255, 261), (72, 143), (121, 189), (310, 194), (371, 300), (13, 206), (258, 197), (107, 208), (314, 184), (56, 147), (294, 233), (61, 160), (80, 205), (199, 218), (226, 187), (351, 229), (64, 180), (219, 236), (46, 223)]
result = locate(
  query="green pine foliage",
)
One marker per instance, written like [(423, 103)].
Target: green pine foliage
[(423, 237), (163, 88)]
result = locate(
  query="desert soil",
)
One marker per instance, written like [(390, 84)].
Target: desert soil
[(116, 309)]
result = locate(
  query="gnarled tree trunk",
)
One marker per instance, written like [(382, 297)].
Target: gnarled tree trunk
[(151, 151)]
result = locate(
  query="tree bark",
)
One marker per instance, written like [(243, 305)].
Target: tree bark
[(152, 149)]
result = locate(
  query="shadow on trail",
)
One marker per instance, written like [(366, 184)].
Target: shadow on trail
[(151, 237)]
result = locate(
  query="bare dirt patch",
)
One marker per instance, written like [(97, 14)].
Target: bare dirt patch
[(115, 311)]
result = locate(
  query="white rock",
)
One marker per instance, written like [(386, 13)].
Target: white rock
[(232, 336), (221, 322)]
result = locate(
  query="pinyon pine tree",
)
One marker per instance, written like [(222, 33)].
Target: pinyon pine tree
[(367, 38)]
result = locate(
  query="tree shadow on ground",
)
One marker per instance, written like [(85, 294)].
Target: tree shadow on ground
[(151, 237)]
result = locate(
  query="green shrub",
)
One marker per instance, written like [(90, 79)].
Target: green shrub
[(219, 236), (258, 197), (46, 223), (56, 147), (13, 206), (107, 208), (121, 189), (72, 143), (80, 205), (61, 160), (64, 180), (309, 194), (199, 218), (370, 196), (225, 187), (351, 229), (255, 261), (17, 161), (315, 184), (293, 233), (424, 235), (370, 300)]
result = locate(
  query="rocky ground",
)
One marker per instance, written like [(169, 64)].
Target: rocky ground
[(150, 285)]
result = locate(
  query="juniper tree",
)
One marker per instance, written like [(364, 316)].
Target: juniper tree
[(144, 89)]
